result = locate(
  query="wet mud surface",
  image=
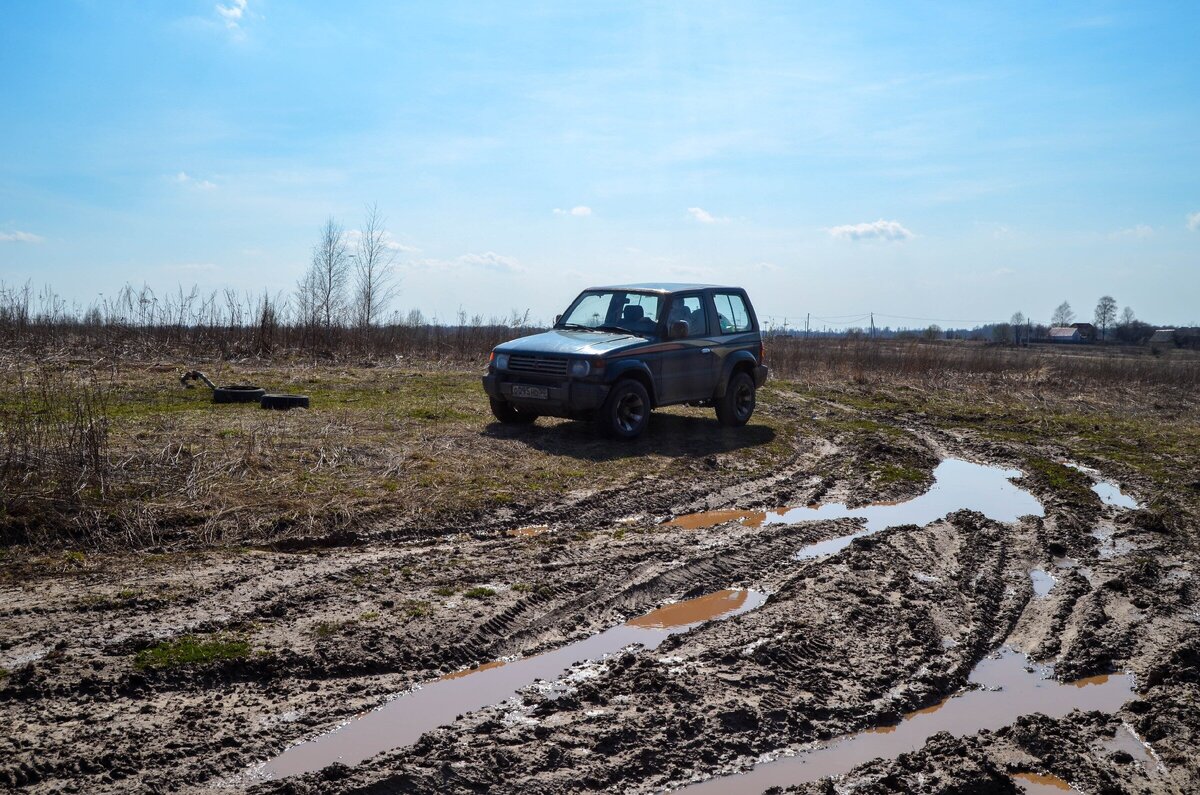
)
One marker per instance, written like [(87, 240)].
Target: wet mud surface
[(571, 658)]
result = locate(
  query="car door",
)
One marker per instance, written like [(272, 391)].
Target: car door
[(688, 362), (736, 327)]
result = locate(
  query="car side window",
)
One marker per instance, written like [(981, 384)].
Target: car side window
[(689, 308), (732, 313)]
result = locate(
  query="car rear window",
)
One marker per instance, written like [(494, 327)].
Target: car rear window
[(732, 313)]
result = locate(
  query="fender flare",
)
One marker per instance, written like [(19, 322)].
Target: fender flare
[(731, 363), (624, 367)]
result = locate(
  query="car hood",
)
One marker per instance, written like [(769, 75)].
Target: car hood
[(571, 342)]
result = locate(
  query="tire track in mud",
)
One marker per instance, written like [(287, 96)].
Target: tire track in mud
[(844, 643)]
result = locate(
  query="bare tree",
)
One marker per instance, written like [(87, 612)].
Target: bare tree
[(1127, 317), (1063, 315), (1106, 314), (1018, 322), (327, 276), (374, 271)]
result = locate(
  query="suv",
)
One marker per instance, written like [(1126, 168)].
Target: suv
[(618, 352)]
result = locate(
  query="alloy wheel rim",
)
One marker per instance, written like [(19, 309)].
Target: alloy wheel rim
[(744, 400), (630, 412)]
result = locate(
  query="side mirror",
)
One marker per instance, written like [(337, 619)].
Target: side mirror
[(557, 319), (679, 329)]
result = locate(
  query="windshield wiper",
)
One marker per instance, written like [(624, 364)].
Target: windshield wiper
[(579, 326), (621, 329)]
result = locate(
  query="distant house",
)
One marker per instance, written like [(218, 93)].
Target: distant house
[(1065, 334), (1163, 336), (1087, 332), (1178, 337)]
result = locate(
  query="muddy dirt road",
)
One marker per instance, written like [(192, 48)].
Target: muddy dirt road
[(822, 613)]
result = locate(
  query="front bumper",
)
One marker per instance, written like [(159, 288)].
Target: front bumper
[(564, 398)]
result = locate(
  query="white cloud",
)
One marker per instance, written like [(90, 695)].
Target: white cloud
[(878, 230), (491, 261), (388, 239), (17, 236), (579, 211), (1193, 221), (232, 14), (1140, 232), (200, 184), (704, 216)]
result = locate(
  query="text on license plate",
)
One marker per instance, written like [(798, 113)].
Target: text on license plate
[(526, 391)]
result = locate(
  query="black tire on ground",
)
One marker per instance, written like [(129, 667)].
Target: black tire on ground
[(238, 393), (736, 406), (284, 402), (508, 413), (626, 411)]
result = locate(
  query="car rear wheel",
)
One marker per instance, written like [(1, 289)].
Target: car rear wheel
[(736, 406), (626, 411), (510, 414)]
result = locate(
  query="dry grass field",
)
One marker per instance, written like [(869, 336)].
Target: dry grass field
[(269, 575)]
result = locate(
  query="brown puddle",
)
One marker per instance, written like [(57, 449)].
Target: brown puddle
[(530, 531), (706, 519), (957, 485), (1041, 784), (404, 719), (692, 611), (1009, 687)]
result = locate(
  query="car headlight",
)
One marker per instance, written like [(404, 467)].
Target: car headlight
[(580, 368), (501, 361)]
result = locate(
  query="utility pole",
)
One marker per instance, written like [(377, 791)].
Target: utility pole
[(872, 325), (806, 317)]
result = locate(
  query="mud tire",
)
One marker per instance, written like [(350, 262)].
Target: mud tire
[(736, 406), (510, 414), (284, 402), (626, 412), (238, 393)]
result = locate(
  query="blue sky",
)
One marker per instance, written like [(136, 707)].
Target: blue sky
[(950, 161)]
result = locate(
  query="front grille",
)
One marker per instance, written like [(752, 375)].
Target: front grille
[(543, 365)]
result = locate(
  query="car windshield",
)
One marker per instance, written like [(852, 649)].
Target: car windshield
[(613, 310)]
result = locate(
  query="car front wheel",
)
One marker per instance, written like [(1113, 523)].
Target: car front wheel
[(736, 406), (626, 411), (510, 414)]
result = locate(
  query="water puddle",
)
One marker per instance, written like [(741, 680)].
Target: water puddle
[(1042, 784), (1109, 493), (1043, 583), (1009, 686), (1126, 740), (957, 485), (530, 531), (706, 519), (404, 719)]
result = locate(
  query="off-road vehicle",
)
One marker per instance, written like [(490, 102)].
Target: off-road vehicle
[(619, 352)]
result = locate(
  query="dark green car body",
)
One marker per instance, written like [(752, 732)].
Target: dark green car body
[(694, 362)]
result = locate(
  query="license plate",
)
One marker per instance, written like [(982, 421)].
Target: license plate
[(526, 391)]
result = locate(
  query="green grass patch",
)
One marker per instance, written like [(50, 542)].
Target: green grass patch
[(897, 473), (415, 608), (479, 592), (192, 650), (1058, 476), (445, 590)]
